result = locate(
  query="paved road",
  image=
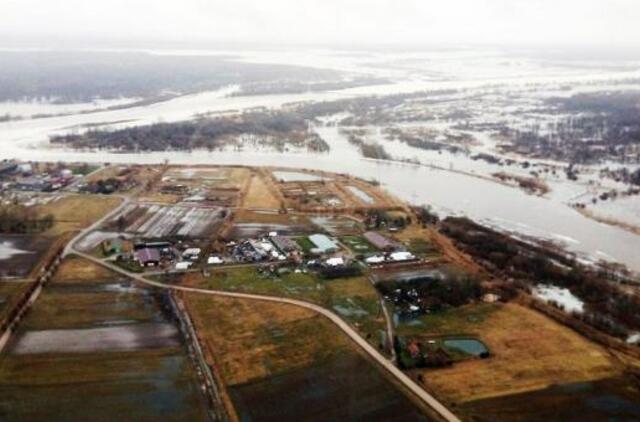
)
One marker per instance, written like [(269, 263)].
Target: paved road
[(400, 376)]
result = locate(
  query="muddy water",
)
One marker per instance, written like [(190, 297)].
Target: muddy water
[(118, 356), (448, 191), (121, 338), (19, 253)]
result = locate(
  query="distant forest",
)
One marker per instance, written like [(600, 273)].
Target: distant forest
[(73, 77), (277, 129), (602, 126)]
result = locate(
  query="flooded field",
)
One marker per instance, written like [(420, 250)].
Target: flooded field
[(95, 341), (362, 195), (144, 385), (20, 253), (451, 185), (608, 399), (126, 337), (346, 381)]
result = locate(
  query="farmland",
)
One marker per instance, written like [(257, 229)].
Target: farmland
[(316, 192), (358, 244), (353, 298), (158, 221), (20, 254), (10, 293), (95, 340), (75, 212), (267, 352), (252, 223), (523, 361), (259, 196), (476, 345)]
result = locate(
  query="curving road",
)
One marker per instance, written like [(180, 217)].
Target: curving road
[(400, 376)]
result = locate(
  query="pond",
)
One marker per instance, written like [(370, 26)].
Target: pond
[(469, 346)]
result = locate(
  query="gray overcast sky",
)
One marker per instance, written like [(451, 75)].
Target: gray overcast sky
[(328, 21)]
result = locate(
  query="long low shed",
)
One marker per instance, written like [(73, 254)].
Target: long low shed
[(323, 243)]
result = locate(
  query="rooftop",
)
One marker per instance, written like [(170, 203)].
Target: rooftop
[(323, 243)]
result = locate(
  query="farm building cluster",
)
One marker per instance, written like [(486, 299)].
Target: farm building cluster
[(190, 218), (33, 177)]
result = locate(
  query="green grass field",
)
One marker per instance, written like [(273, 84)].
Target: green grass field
[(305, 243), (353, 298), (420, 246), (358, 244), (455, 321)]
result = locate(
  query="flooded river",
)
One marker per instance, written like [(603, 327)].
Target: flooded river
[(447, 191)]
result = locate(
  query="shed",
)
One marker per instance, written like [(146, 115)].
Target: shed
[(191, 253), (215, 260), (402, 256), (285, 244), (183, 265), (382, 242), (335, 261), (323, 244), (375, 259)]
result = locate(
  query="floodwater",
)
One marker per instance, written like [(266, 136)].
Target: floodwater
[(559, 295), (362, 195), (8, 250), (449, 192), (20, 253), (120, 338), (105, 346)]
